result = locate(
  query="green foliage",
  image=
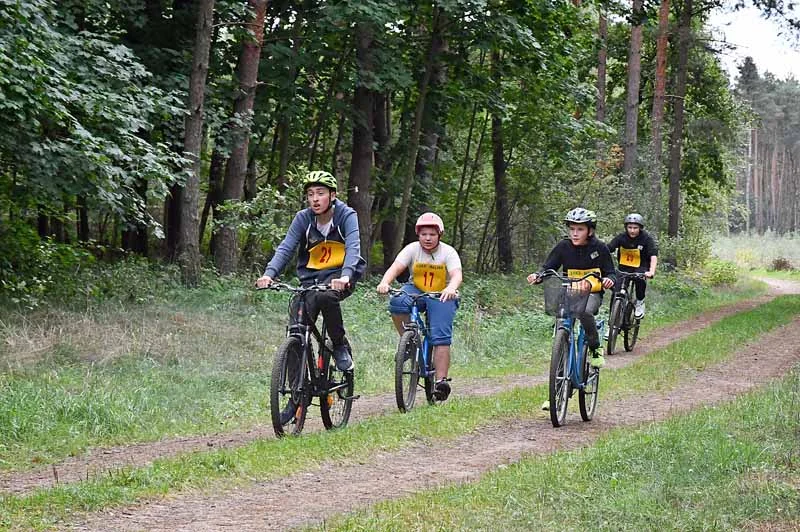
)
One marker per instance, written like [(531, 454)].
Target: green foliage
[(678, 284), (719, 273), (77, 111), (692, 248)]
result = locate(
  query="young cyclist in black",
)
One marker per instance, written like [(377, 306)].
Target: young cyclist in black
[(637, 251), (578, 254)]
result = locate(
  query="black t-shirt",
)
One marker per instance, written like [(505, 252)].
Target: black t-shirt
[(593, 256), (634, 254)]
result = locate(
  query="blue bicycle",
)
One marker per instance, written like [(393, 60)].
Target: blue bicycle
[(414, 356), (565, 298)]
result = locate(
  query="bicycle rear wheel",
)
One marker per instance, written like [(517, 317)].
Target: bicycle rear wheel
[(559, 379), (406, 370), (614, 320), (336, 405), (631, 327), (288, 394), (587, 396)]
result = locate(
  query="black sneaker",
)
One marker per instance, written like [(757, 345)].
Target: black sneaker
[(441, 390), (288, 412), (344, 362)]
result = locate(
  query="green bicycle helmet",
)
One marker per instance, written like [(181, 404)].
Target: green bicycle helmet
[(635, 218), (579, 215), (319, 177)]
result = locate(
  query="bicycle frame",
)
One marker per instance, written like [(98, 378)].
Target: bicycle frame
[(420, 326)]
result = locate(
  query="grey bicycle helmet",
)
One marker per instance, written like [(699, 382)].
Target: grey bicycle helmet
[(579, 215), (635, 218)]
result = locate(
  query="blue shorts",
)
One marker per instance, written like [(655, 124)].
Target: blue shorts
[(440, 314)]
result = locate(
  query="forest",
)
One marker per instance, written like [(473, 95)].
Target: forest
[(177, 130)]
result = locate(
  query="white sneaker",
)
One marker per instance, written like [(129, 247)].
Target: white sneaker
[(638, 309)]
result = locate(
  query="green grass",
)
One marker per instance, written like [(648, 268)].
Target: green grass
[(198, 361), (271, 459), (757, 251), (721, 468)]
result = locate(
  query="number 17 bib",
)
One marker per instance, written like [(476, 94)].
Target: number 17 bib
[(430, 277)]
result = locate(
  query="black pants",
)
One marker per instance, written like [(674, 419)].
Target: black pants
[(640, 286), (326, 302)]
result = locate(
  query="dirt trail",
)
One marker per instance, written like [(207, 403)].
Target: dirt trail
[(278, 505), (97, 462)]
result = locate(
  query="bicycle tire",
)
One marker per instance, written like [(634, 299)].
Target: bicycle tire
[(430, 380), (406, 371), (587, 395), (631, 330), (284, 387), (614, 319), (335, 407), (559, 387)]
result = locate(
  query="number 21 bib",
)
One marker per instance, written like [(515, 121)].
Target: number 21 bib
[(326, 255)]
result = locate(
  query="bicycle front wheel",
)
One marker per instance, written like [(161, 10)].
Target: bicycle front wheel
[(614, 320), (406, 371), (335, 405), (559, 378), (587, 396), (288, 394), (631, 328)]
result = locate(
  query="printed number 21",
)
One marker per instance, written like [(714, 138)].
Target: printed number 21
[(326, 255)]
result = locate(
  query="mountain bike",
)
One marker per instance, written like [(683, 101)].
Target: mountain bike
[(414, 357), (303, 370), (622, 317), (566, 298)]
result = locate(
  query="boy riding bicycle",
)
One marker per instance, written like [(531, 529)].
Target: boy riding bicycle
[(578, 254), (434, 267), (637, 251), (326, 237)]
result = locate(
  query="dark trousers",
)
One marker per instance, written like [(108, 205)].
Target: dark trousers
[(640, 286), (326, 302)]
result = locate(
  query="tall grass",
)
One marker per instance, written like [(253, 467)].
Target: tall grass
[(757, 251), (172, 362)]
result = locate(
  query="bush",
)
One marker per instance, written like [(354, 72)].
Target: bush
[(719, 272), (781, 264), (677, 284)]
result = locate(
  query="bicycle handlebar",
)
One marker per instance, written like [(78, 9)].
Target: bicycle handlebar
[(278, 286), (552, 273), (632, 275), (398, 292)]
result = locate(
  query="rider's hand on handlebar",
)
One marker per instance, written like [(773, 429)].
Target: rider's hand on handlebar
[(534, 278), (341, 283), (649, 275), (383, 288), (264, 281), (607, 283), (448, 294)]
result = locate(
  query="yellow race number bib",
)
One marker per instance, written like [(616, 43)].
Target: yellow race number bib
[(594, 281), (430, 277), (326, 255), (630, 257)]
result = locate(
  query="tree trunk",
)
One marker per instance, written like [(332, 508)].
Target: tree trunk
[(602, 55), (214, 195), (659, 98), (83, 220), (226, 242), (413, 142), (503, 222), (359, 195), (188, 240), (632, 101), (676, 140)]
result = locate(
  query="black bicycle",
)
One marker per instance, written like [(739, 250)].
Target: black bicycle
[(304, 369), (622, 317)]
